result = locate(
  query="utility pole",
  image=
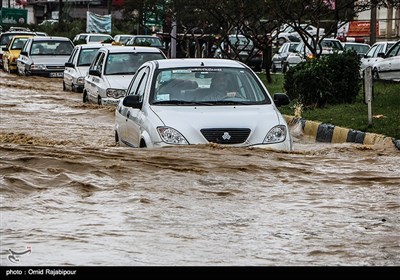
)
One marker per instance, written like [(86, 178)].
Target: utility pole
[(372, 38)]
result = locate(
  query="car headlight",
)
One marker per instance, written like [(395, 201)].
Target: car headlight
[(80, 81), (115, 93), (276, 134), (38, 67), (171, 136)]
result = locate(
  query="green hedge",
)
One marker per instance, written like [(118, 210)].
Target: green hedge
[(332, 79)]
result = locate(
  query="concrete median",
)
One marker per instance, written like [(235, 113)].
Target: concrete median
[(323, 132)]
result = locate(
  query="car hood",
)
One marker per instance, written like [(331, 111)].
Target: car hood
[(15, 53), (185, 118), (50, 60), (118, 81)]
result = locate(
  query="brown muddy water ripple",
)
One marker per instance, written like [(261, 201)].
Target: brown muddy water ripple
[(75, 198)]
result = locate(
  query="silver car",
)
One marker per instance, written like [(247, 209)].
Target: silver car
[(200, 101), (44, 56)]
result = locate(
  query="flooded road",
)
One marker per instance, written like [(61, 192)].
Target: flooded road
[(72, 197)]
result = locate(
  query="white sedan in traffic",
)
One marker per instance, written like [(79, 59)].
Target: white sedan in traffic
[(77, 66), (388, 68), (200, 101), (111, 71)]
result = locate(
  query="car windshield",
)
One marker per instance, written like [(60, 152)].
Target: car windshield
[(99, 38), (6, 38), (51, 48), (147, 41), (240, 41), (331, 44), (128, 63), (86, 56), (211, 86), (357, 48)]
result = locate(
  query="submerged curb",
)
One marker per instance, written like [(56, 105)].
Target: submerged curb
[(323, 132)]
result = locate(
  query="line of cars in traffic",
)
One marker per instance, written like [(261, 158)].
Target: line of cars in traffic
[(162, 102), (383, 56)]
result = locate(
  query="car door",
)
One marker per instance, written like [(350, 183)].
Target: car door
[(371, 56), (23, 58), (134, 117), (70, 68), (93, 81), (389, 66)]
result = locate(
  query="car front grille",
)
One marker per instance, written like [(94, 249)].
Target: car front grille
[(55, 67), (226, 135)]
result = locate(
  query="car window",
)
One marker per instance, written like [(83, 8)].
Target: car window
[(292, 47), (136, 81), (394, 51), (18, 43), (86, 56), (371, 52), (73, 55), (389, 45)]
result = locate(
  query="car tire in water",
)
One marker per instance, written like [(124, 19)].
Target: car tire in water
[(85, 97), (116, 138)]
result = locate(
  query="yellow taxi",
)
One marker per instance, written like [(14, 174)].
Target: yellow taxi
[(11, 52)]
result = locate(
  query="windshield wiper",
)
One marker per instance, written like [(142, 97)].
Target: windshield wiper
[(182, 102)]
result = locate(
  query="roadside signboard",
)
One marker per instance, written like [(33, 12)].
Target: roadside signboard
[(13, 16)]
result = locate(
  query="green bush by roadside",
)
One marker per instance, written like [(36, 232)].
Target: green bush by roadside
[(385, 108), (332, 79)]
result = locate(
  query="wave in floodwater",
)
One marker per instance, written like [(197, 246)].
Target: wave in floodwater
[(75, 198)]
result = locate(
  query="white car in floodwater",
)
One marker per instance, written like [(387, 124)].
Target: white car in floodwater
[(77, 66), (200, 101), (112, 70)]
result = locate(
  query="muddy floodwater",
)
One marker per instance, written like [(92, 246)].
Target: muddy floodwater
[(71, 197)]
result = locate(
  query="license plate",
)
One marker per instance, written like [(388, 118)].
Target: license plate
[(57, 74)]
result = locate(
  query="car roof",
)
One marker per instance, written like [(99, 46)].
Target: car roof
[(124, 49), (22, 36), (198, 62), (91, 46), (355, 43), (51, 38)]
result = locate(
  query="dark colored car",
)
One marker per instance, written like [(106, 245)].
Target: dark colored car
[(147, 40), (239, 47)]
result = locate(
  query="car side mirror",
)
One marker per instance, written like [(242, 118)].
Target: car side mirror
[(132, 101), (94, 72), (381, 54), (69, 64), (24, 53), (4, 49), (281, 99)]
